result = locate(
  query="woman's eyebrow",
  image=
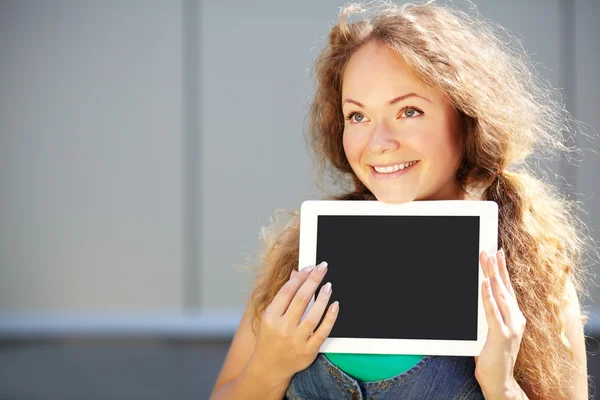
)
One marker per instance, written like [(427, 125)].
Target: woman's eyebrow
[(392, 102)]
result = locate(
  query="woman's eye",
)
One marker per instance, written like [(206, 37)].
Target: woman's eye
[(407, 112), (355, 117), (410, 112)]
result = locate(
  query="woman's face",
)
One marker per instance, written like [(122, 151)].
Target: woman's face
[(393, 122)]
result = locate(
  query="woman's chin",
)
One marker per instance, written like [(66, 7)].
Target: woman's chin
[(394, 198)]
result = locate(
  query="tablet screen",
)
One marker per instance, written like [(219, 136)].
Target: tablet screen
[(402, 276)]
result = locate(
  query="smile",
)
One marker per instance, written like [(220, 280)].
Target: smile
[(393, 168), (392, 171)]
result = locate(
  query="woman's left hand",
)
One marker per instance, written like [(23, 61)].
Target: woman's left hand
[(506, 323)]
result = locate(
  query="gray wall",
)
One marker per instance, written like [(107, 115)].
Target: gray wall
[(91, 157), (585, 104), (144, 144)]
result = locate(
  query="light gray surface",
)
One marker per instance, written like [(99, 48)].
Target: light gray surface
[(203, 326), (586, 108), (90, 156)]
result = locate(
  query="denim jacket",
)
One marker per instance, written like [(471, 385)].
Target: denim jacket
[(432, 378)]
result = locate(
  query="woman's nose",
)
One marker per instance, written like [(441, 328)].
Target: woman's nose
[(383, 139)]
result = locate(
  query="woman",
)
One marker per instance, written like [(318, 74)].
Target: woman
[(434, 93)]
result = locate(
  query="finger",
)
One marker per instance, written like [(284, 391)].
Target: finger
[(294, 273), (492, 313), (501, 260), (305, 293), (284, 297), (516, 314), (483, 260), (317, 339), (503, 298), (310, 322)]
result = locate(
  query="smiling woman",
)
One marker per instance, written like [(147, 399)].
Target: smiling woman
[(405, 111), (418, 129)]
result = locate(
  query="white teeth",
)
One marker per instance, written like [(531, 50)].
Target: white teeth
[(393, 168)]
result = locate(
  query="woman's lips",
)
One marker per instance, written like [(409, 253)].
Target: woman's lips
[(391, 175)]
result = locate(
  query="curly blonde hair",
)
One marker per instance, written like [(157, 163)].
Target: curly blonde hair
[(508, 115)]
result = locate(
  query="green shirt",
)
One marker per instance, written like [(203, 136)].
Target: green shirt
[(373, 367)]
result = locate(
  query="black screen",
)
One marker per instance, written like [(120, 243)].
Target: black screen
[(402, 277)]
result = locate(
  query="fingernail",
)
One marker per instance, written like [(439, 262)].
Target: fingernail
[(334, 307), (308, 269), (322, 267), (502, 253), (327, 288), (294, 272)]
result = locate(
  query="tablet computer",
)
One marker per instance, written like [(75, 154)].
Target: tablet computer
[(407, 276)]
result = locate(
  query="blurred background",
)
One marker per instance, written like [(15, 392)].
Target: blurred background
[(143, 144)]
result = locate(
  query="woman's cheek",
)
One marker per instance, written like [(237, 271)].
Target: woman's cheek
[(350, 148)]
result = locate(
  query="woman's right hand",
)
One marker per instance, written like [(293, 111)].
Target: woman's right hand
[(285, 344)]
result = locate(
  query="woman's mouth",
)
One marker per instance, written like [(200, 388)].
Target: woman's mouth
[(392, 171)]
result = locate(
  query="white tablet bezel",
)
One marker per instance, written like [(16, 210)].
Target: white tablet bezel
[(488, 239)]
